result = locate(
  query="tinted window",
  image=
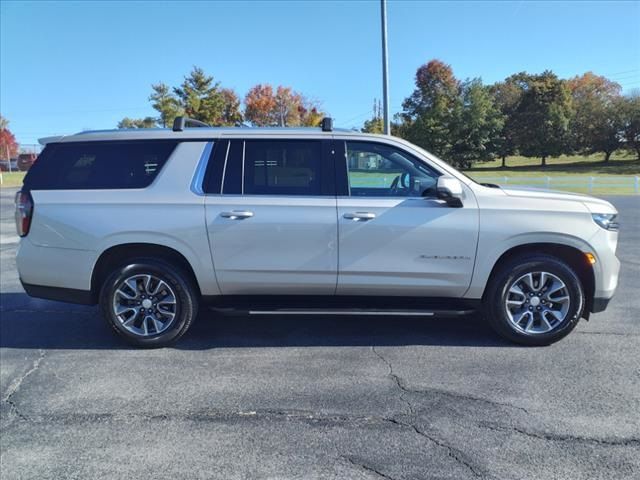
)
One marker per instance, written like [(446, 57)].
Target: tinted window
[(213, 177), (379, 170), (98, 165), (233, 169), (275, 167)]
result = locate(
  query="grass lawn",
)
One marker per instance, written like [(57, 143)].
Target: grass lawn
[(621, 163), (573, 173), (12, 179)]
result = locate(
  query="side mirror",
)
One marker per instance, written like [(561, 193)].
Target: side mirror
[(450, 190)]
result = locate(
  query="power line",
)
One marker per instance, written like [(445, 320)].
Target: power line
[(620, 73), (368, 112), (626, 77)]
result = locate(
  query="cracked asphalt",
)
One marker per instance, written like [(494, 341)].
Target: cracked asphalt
[(317, 398)]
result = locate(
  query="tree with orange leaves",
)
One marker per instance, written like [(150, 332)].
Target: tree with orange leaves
[(598, 120), (8, 144), (283, 107)]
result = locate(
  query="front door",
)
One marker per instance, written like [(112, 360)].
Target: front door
[(273, 227), (395, 236)]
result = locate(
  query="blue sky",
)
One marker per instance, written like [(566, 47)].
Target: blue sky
[(69, 66)]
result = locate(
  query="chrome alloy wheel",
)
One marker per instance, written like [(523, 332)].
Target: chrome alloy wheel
[(144, 305), (537, 302)]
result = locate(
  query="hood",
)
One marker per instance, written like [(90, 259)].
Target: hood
[(593, 204)]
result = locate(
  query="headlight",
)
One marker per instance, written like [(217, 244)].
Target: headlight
[(606, 220)]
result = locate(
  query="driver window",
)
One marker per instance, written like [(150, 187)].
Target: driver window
[(379, 170)]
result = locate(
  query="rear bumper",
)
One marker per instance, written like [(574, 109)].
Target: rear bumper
[(69, 295)]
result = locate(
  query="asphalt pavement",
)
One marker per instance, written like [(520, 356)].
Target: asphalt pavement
[(244, 397)]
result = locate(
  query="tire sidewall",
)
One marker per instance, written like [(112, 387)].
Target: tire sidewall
[(185, 306), (514, 270)]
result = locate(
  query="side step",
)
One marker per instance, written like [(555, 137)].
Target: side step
[(342, 305), (359, 311)]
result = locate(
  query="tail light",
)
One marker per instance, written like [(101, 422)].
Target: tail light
[(24, 212)]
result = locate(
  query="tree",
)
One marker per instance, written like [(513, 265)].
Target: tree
[(166, 103), (478, 123), (200, 97), (310, 113), (259, 105), (597, 122), (630, 108), (429, 114), (374, 124), (231, 114), (284, 107), (287, 107), (543, 116), (8, 144), (507, 96), (146, 122), (458, 121)]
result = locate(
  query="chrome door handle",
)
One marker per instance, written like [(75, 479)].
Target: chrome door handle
[(237, 214), (357, 216)]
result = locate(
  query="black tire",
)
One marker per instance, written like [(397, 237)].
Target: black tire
[(497, 291), (186, 300)]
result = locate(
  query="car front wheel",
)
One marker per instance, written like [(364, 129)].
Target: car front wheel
[(534, 300), (149, 302)]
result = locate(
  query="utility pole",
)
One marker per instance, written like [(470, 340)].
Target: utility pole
[(385, 69)]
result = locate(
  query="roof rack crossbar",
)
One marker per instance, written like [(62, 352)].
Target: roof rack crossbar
[(180, 123)]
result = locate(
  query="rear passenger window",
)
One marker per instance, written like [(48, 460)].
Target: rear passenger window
[(275, 167), (98, 165)]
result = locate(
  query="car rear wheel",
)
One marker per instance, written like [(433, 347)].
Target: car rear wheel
[(149, 302), (534, 300)]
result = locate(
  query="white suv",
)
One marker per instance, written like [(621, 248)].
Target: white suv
[(152, 223)]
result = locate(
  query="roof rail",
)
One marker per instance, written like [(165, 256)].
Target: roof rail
[(180, 123), (327, 124)]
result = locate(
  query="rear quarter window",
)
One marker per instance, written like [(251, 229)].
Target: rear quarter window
[(98, 165)]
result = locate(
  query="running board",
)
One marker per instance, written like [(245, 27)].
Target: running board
[(343, 305), (382, 313)]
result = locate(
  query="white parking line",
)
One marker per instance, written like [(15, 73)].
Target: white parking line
[(9, 239)]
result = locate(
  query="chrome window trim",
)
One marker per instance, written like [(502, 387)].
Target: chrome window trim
[(262, 195), (224, 168), (198, 177), (244, 143)]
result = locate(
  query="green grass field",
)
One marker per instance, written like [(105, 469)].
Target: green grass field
[(621, 163), (571, 173), (12, 179)]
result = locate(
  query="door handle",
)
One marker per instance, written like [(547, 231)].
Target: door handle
[(237, 214), (358, 216)]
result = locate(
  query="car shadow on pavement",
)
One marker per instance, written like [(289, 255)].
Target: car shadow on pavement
[(39, 324)]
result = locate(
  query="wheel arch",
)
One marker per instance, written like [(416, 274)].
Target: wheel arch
[(118, 254), (573, 256)]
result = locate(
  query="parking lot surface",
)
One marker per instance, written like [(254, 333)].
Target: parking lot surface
[(318, 398)]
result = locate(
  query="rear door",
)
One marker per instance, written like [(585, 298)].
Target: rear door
[(395, 236), (271, 217)]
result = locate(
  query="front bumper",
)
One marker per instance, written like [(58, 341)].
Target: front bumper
[(600, 304)]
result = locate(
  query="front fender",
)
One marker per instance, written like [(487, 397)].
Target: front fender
[(489, 257)]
